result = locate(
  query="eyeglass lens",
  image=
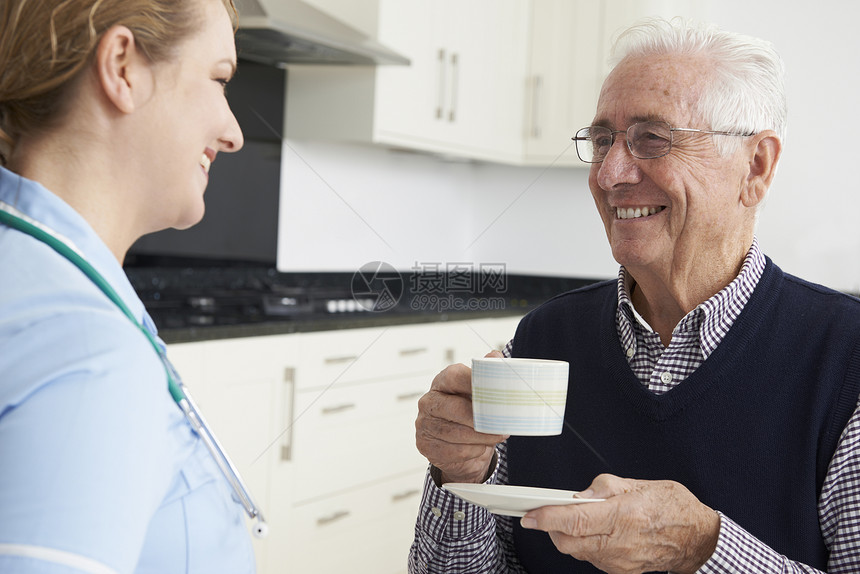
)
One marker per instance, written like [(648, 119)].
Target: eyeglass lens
[(646, 140)]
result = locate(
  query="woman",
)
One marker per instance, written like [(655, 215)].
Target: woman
[(111, 112)]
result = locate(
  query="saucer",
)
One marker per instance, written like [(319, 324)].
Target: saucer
[(508, 500)]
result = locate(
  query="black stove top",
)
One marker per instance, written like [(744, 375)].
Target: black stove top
[(197, 295), (216, 296)]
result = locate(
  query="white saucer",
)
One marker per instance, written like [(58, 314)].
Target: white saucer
[(510, 500)]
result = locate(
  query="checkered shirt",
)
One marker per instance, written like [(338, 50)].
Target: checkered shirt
[(453, 536)]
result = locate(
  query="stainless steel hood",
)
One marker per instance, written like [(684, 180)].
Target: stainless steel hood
[(280, 32)]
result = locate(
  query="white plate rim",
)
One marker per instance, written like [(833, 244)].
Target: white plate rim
[(513, 500)]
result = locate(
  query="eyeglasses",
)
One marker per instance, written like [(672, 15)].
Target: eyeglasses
[(645, 140)]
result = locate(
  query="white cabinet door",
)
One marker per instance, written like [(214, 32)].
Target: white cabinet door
[(410, 101), (565, 77), (355, 434), (464, 92)]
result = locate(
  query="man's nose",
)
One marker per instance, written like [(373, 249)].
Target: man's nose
[(619, 167)]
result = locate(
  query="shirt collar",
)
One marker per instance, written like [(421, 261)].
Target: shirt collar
[(712, 318), (35, 201)]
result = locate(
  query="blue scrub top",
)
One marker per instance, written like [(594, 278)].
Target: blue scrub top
[(99, 470)]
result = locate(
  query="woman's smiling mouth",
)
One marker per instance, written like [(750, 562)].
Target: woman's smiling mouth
[(205, 163)]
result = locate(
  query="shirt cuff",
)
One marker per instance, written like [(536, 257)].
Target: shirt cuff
[(444, 516), (739, 551)]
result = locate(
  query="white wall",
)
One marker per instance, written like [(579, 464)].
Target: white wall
[(405, 208), (809, 225), (344, 205)]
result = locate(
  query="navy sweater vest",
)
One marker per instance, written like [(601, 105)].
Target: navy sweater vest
[(751, 432)]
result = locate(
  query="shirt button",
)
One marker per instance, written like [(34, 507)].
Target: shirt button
[(459, 515), (630, 352), (436, 511), (666, 377)]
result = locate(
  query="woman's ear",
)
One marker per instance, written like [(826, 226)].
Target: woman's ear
[(764, 158), (122, 69)]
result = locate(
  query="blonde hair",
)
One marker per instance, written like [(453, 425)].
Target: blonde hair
[(45, 44)]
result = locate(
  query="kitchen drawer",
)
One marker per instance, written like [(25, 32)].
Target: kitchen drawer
[(337, 357), (234, 361), (355, 433), (365, 530)]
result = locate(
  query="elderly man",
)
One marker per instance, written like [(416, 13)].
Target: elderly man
[(723, 390)]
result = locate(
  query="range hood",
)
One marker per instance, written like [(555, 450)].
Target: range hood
[(280, 32)]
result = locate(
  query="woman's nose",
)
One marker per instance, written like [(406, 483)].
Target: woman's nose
[(232, 140)]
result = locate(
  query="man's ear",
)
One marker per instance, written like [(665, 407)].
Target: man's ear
[(121, 68), (765, 152)]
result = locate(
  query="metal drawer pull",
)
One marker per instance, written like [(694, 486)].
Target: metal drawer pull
[(416, 351), (289, 408), (338, 360), (455, 81), (410, 396), (536, 94), (337, 409), (404, 495), (440, 84), (339, 515)]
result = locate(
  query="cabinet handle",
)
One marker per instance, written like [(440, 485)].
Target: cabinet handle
[(537, 86), (455, 80), (290, 396), (337, 409), (410, 396), (449, 356), (339, 360), (339, 515), (440, 84), (404, 495), (415, 351)]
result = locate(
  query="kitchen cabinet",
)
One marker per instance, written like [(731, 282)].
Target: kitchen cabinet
[(497, 80), (463, 93), (564, 77), (321, 425)]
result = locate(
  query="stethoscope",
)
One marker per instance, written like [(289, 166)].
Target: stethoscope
[(62, 245)]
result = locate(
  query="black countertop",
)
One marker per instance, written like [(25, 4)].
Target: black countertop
[(192, 302), (317, 323)]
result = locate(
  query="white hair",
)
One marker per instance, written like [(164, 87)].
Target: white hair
[(746, 90)]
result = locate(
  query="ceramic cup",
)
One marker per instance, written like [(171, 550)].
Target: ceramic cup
[(519, 396)]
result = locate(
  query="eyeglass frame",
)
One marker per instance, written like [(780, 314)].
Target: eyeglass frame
[(672, 130)]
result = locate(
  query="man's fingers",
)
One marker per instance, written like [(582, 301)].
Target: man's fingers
[(452, 432), (454, 380), (454, 408), (577, 520), (608, 485), (443, 454), (444, 428)]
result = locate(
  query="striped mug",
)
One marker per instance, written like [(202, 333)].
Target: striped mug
[(519, 396)]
